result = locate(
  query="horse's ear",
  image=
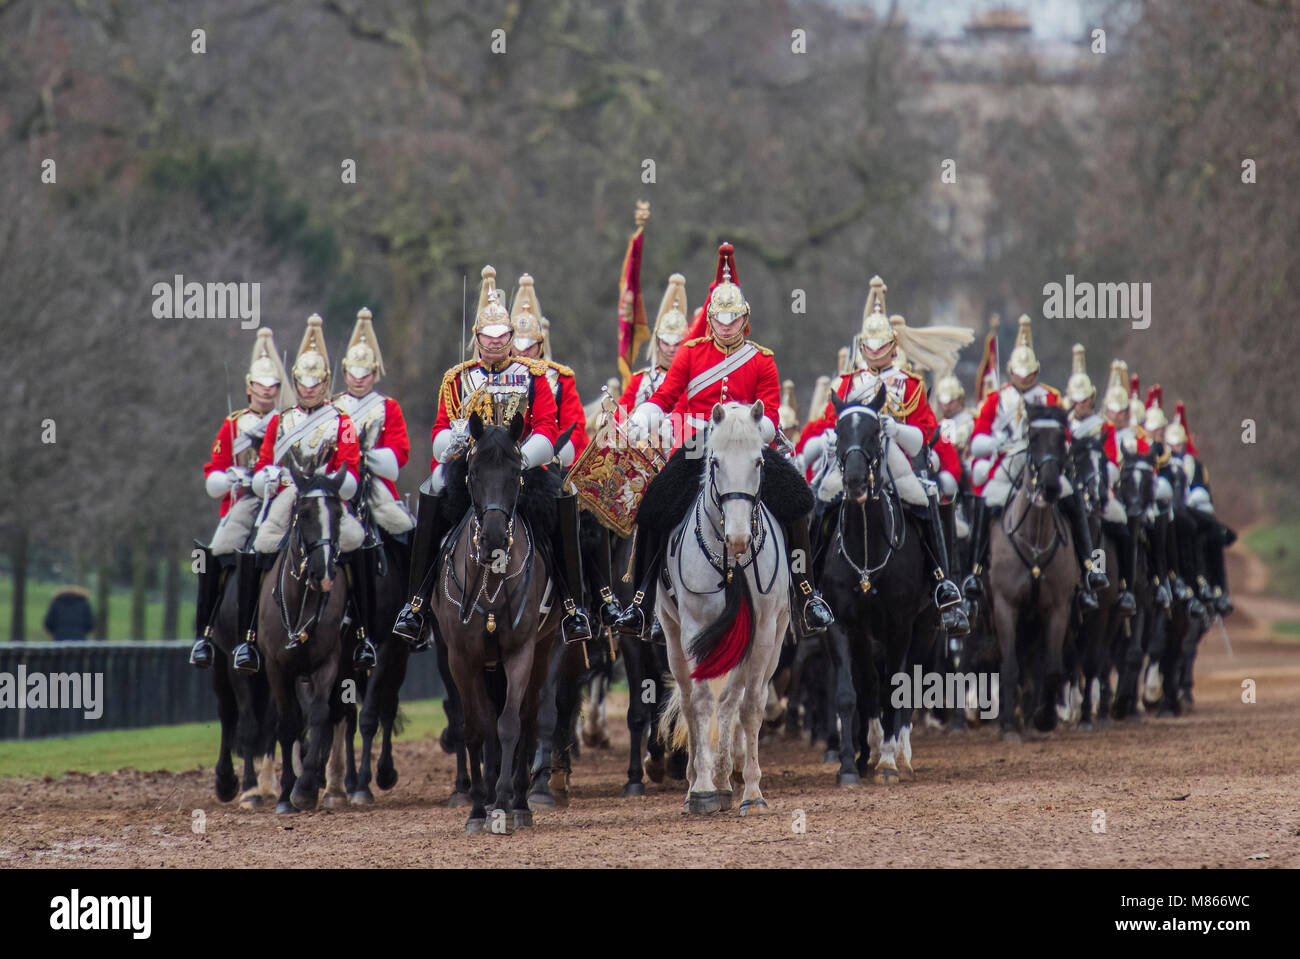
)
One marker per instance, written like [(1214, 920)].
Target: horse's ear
[(516, 426), (476, 426), (295, 470), (334, 481), (878, 401), (837, 403), (756, 411), (718, 412)]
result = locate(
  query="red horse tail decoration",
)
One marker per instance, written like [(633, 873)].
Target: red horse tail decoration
[(719, 648)]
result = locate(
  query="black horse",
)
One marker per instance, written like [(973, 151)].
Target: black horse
[(1136, 491), (875, 579)]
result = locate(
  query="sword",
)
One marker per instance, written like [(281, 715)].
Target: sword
[(1226, 642), (463, 290), (230, 417)]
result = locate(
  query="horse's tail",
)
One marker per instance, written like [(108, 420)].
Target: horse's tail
[(672, 731), (719, 647)]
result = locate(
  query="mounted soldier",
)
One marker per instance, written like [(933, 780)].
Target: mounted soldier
[(1085, 423), (670, 329), (532, 340), (999, 443), (722, 367), (228, 475), (385, 447), (314, 432), (1122, 438), (497, 386), (1215, 535), (909, 422)]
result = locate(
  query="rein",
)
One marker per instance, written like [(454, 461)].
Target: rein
[(885, 494), (1042, 555), (301, 632)]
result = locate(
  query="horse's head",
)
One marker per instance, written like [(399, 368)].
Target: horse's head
[(314, 534), (859, 446), (496, 468), (1045, 452), (1088, 468), (735, 469), (1137, 484)]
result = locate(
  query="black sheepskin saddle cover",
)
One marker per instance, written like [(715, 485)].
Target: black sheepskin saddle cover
[(783, 491), (536, 498)]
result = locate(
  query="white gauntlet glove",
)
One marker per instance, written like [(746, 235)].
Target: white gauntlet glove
[(382, 462), (644, 421), (267, 479)]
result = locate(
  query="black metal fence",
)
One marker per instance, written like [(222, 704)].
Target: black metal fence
[(90, 686)]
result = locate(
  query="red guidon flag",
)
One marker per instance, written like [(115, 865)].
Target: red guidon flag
[(632, 328)]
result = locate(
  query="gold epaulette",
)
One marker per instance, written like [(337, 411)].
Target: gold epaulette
[(536, 367), (449, 392), (1053, 390), (698, 339), (762, 349), (234, 417), (559, 368)]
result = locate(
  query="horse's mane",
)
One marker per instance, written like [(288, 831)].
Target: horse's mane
[(493, 446), (737, 431), (1040, 411)]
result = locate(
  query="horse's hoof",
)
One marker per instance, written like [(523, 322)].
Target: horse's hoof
[(362, 797), (1166, 713), (831, 756), (654, 768), (334, 800), (385, 778), (284, 808), (847, 779), (523, 818), (1009, 736), (633, 790), (499, 823), (303, 801), (886, 776), (1084, 726), (459, 799), (724, 797), (227, 789), (754, 807), (703, 803), (251, 799), (475, 826), (907, 774)]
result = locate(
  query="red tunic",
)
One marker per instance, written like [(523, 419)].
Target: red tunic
[(905, 403), (569, 407), (392, 433), (703, 375), (540, 415), (222, 455), (344, 452), (1002, 410)]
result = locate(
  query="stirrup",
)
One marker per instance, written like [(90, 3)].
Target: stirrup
[(955, 621), (575, 627), (1087, 599), (201, 653), (632, 621), (816, 616), (246, 658), (972, 587), (409, 624), (610, 610), (946, 594), (364, 656), (1125, 603)]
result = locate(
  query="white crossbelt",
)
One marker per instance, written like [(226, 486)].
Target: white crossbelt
[(732, 363), (285, 440), (362, 409), (243, 441)]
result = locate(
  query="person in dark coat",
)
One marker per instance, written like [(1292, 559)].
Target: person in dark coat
[(70, 615)]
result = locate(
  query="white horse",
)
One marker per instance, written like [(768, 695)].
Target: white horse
[(727, 615)]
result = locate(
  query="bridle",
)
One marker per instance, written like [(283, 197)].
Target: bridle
[(897, 534), (303, 550), (873, 463), (722, 561), (1032, 469), (481, 511)]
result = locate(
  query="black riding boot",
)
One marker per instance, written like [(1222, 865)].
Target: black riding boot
[(1160, 561), (248, 583), (1216, 569), (1093, 579), (634, 621), (1125, 604), (601, 575), (429, 531), (981, 516), (576, 625), (946, 595), (809, 613), (361, 572), (205, 605)]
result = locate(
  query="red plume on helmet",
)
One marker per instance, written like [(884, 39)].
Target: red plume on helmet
[(1180, 417), (727, 261)]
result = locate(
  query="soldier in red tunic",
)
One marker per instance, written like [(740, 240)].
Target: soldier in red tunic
[(385, 448), (999, 443), (497, 385), (228, 473), (909, 422), (670, 330), (316, 431), (722, 367)]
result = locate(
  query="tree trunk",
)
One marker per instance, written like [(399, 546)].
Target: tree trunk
[(101, 598), (18, 557), (171, 598), (139, 582)]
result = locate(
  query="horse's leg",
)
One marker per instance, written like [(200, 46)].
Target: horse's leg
[(639, 712), (1004, 617), (728, 718), (289, 727), (227, 785), (387, 695), (1171, 666), (846, 704), (518, 669), (568, 700), (251, 696), (547, 723), (320, 722), (1056, 620), (360, 793), (758, 675), (336, 769), (475, 705)]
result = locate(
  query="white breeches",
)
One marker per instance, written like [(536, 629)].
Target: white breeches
[(906, 482), (232, 532), (273, 528), (435, 483), (999, 484), (390, 514)]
